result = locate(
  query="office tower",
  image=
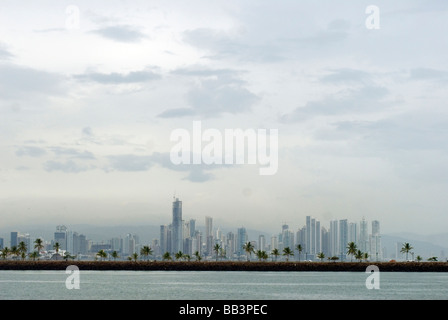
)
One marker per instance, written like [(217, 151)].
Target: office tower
[(192, 227), (301, 237), (313, 236), (375, 241), (60, 237), (69, 239), (318, 238), (261, 243), (208, 226), (155, 246), (14, 236), (198, 242), (129, 244), (325, 243), (230, 244), (25, 238), (241, 240), (176, 227), (164, 239), (308, 234), (343, 238), (334, 236), (353, 233), (208, 236), (115, 244), (363, 236), (274, 242)]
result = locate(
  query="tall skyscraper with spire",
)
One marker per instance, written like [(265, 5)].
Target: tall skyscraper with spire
[(177, 227)]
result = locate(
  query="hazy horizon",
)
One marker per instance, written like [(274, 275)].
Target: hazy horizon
[(91, 91)]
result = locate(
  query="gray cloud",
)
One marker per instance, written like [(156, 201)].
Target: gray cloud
[(72, 153), (428, 74), (121, 33), (119, 78), (16, 81), (365, 99), (135, 163), (31, 151), (347, 76), (68, 166), (217, 92), (4, 53)]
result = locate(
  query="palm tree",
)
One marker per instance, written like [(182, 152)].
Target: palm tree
[(359, 255), (287, 252), (418, 258), (5, 253), (114, 255), (146, 251), (15, 251), (249, 248), (67, 256), (198, 256), (56, 247), (433, 259), (406, 248), (134, 256), (187, 257), (366, 256), (275, 253), (179, 255), (166, 256), (259, 254), (321, 256), (216, 249), (34, 255), (300, 249), (351, 250), (22, 249), (102, 254), (38, 245)]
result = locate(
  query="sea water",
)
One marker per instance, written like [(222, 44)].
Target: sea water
[(222, 285)]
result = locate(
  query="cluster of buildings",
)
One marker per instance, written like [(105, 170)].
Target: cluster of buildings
[(184, 236)]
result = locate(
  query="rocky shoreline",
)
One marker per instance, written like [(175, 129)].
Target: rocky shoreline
[(224, 266)]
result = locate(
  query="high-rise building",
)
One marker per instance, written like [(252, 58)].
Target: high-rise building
[(14, 239), (334, 236), (241, 240), (261, 243), (343, 238), (60, 237), (375, 241), (164, 239), (177, 227), (363, 236)]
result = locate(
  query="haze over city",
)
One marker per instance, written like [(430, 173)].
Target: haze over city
[(90, 93)]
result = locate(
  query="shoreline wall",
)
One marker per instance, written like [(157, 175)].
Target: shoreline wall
[(225, 266)]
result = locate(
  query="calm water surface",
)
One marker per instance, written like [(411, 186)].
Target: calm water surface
[(233, 285)]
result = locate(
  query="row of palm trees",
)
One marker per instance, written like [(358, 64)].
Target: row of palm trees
[(248, 247)]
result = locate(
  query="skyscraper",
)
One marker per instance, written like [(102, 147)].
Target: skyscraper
[(241, 240), (343, 237), (177, 227), (363, 235)]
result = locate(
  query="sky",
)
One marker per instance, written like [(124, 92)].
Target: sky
[(91, 91)]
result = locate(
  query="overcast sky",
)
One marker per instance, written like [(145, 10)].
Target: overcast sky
[(89, 95)]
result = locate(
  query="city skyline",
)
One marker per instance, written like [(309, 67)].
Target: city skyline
[(91, 93)]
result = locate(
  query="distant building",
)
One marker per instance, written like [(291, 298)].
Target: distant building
[(177, 227)]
